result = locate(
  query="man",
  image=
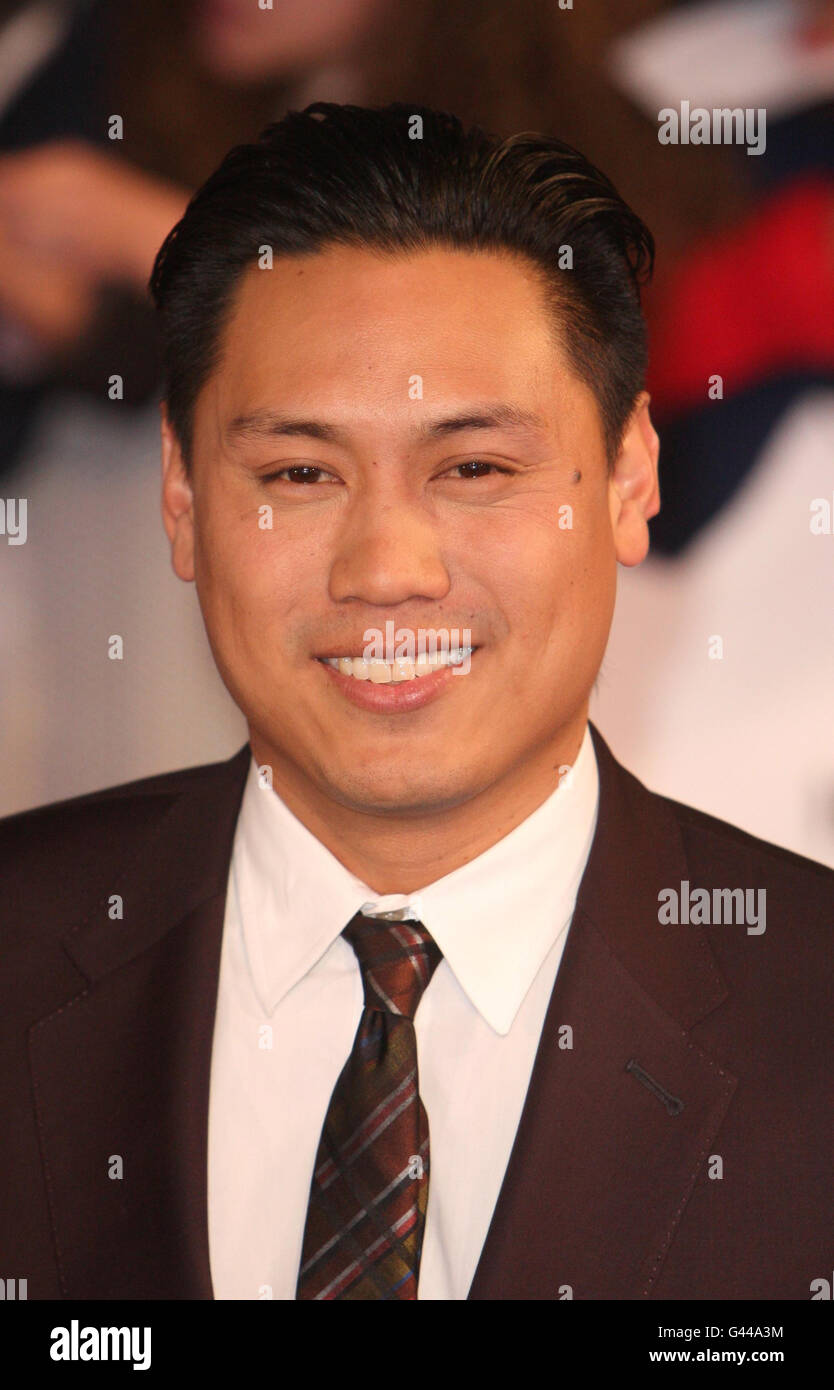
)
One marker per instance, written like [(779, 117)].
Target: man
[(421, 994)]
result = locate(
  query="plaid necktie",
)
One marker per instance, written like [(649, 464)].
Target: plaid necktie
[(370, 1185)]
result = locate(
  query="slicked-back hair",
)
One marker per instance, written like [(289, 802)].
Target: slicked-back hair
[(376, 177)]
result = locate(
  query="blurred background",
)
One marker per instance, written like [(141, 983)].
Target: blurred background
[(717, 685)]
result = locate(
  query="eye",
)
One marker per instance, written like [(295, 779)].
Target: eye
[(299, 473), (476, 468)]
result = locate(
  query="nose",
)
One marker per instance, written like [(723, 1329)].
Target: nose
[(388, 551)]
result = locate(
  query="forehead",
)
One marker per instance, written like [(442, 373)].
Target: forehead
[(352, 327)]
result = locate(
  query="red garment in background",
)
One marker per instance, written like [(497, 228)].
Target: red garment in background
[(758, 301)]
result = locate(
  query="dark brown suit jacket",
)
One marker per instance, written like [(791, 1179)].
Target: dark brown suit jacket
[(690, 1044)]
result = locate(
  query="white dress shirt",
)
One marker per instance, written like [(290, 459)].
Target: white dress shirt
[(290, 999)]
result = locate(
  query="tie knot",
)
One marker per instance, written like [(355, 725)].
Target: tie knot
[(397, 960)]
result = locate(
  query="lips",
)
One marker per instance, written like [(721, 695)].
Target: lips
[(378, 691)]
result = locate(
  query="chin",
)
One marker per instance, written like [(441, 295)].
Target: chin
[(400, 793)]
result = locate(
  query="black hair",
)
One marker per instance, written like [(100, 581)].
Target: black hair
[(403, 178)]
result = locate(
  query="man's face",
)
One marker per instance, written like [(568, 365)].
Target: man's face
[(434, 462)]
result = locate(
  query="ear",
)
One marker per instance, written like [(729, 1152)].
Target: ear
[(633, 489), (177, 501)]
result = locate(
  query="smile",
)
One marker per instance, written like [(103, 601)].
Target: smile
[(395, 672)]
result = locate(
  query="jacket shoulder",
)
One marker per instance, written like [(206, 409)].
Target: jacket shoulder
[(788, 902), (710, 843), (55, 853), (707, 838), (157, 784)]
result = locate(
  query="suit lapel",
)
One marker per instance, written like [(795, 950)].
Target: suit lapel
[(601, 1169), (121, 1071)]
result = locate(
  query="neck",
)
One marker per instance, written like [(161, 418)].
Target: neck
[(395, 853)]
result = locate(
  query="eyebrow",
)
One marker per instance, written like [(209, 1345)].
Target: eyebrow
[(269, 424)]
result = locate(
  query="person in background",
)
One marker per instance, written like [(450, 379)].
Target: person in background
[(726, 628)]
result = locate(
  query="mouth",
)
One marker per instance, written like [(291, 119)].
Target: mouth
[(397, 672), (396, 687)]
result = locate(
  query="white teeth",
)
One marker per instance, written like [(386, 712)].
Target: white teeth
[(394, 672)]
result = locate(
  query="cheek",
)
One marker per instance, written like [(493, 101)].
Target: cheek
[(565, 586), (255, 586), (592, 579), (234, 572)]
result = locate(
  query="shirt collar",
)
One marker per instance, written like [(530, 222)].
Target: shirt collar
[(495, 919)]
